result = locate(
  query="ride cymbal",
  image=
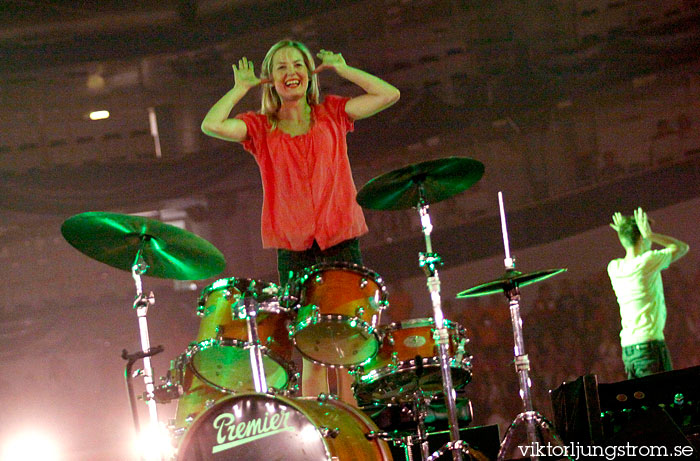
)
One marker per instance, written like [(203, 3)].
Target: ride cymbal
[(510, 279), (169, 252), (431, 181)]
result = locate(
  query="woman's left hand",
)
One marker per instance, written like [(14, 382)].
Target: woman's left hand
[(329, 60)]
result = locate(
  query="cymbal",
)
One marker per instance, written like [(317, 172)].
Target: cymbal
[(170, 252), (510, 278), (440, 179)]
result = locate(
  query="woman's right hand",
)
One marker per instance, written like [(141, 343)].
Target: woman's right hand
[(244, 75)]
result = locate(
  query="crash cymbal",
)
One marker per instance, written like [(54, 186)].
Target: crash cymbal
[(509, 279), (170, 252), (440, 179)]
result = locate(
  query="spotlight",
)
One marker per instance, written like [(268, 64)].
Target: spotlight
[(154, 444), (30, 446)]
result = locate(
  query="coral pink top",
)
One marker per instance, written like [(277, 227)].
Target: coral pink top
[(308, 190)]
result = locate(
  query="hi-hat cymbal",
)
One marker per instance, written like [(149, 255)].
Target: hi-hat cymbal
[(169, 252), (440, 179), (510, 279)]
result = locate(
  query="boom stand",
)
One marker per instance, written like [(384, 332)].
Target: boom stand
[(429, 261), (536, 425)]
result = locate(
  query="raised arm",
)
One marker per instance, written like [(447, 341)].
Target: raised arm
[(378, 94), (217, 122), (677, 247)]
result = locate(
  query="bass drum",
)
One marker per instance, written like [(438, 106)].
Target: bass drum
[(262, 426)]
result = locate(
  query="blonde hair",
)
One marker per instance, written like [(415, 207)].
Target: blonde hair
[(271, 101)]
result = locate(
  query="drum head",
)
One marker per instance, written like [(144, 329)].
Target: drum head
[(335, 342), (400, 385), (253, 427), (225, 365)]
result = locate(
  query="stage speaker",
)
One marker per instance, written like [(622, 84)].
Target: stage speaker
[(657, 410), (577, 415)]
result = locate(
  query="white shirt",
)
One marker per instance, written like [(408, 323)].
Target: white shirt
[(640, 293)]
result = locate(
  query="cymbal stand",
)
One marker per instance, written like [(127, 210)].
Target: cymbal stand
[(249, 308), (429, 262), (535, 423), (141, 304)]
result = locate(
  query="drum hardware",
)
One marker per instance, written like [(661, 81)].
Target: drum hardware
[(417, 409), (534, 423), (142, 246), (256, 359), (415, 186), (170, 390), (327, 432), (130, 374)]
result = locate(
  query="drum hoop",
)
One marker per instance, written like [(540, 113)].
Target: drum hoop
[(405, 365), (420, 322), (194, 348), (295, 328), (226, 283), (308, 272)]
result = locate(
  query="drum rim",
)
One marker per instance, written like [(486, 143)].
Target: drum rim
[(209, 289), (432, 361), (421, 322), (308, 272), (291, 385), (389, 370)]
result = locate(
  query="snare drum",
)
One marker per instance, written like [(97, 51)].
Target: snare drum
[(409, 361), (340, 306), (260, 426)]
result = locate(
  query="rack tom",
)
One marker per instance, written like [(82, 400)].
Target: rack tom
[(340, 306), (221, 355)]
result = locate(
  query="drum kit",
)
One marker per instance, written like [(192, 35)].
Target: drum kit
[(236, 384)]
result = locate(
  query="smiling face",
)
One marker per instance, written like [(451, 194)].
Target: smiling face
[(290, 74), (272, 92)]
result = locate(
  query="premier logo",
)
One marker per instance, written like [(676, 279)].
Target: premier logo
[(231, 434)]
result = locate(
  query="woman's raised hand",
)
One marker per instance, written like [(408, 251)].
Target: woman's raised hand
[(244, 74), (329, 60)]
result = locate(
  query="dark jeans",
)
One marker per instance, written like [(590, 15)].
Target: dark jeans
[(644, 359), (291, 263)]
